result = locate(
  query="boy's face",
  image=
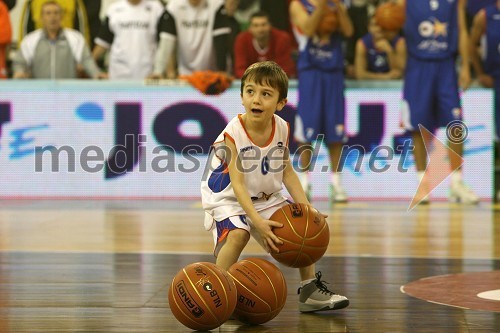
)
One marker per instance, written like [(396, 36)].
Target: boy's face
[(261, 101)]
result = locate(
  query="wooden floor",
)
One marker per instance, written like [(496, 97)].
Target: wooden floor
[(105, 266)]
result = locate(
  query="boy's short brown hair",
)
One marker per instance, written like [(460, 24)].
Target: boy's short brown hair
[(269, 73)]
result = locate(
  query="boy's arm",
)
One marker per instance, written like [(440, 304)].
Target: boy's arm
[(292, 183), (305, 22), (236, 173)]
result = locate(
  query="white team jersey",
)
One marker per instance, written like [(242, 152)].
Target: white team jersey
[(262, 168), (131, 32), (195, 29)]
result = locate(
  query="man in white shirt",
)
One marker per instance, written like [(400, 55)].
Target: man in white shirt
[(130, 33), (199, 30)]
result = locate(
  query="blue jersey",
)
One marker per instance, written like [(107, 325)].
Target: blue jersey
[(492, 59), (473, 6), (378, 61), (431, 28), (314, 54)]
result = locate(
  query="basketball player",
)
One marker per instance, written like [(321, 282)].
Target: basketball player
[(435, 33), (487, 23), (380, 54), (247, 166), (321, 86)]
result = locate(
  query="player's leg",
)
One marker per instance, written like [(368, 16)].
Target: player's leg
[(314, 295), (308, 121), (417, 109), (334, 129), (230, 237), (449, 111)]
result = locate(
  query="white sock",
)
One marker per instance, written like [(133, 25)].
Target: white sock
[(456, 177), (336, 179), (420, 175), (303, 283), (304, 180)]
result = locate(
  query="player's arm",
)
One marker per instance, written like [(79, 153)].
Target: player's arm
[(477, 31), (401, 55), (345, 23), (237, 176), (463, 46), (305, 22)]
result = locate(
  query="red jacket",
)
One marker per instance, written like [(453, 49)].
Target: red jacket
[(5, 37), (279, 50)]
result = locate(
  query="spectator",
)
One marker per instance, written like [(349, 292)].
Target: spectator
[(53, 52), (130, 33), (321, 107), (380, 54), (263, 42), (230, 7), (5, 38), (245, 9), (82, 15), (199, 31)]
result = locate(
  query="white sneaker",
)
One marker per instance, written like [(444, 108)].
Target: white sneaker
[(315, 296), (463, 194), (338, 194)]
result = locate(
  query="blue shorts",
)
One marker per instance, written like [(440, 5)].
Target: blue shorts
[(321, 106), (430, 94)]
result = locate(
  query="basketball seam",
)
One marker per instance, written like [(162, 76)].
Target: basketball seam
[(268, 278), (224, 289), (235, 279), (198, 293), (182, 311)]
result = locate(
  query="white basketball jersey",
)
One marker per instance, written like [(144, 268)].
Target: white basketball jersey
[(262, 167)]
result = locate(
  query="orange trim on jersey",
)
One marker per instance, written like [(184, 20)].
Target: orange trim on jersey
[(226, 134), (288, 135), (271, 137)]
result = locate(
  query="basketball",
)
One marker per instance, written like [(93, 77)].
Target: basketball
[(305, 235), (329, 23), (261, 290), (202, 296), (390, 16)]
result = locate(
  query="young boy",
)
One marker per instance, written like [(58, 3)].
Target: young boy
[(249, 163)]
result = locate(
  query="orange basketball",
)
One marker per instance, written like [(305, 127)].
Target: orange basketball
[(261, 290), (305, 235), (390, 16), (329, 22), (202, 296)]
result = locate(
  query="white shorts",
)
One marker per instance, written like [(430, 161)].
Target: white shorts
[(222, 228)]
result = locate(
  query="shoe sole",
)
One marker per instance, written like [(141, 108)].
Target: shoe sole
[(306, 308), (456, 199)]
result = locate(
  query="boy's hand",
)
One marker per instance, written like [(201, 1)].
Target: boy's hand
[(265, 229)]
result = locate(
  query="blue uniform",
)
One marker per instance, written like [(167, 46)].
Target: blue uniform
[(377, 60), (321, 105), (492, 59), (431, 84)]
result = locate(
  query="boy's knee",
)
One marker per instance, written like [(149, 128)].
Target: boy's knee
[(238, 237)]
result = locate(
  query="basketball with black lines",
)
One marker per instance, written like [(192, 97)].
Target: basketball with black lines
[(261, 290), (202, 296), (305, 235)]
